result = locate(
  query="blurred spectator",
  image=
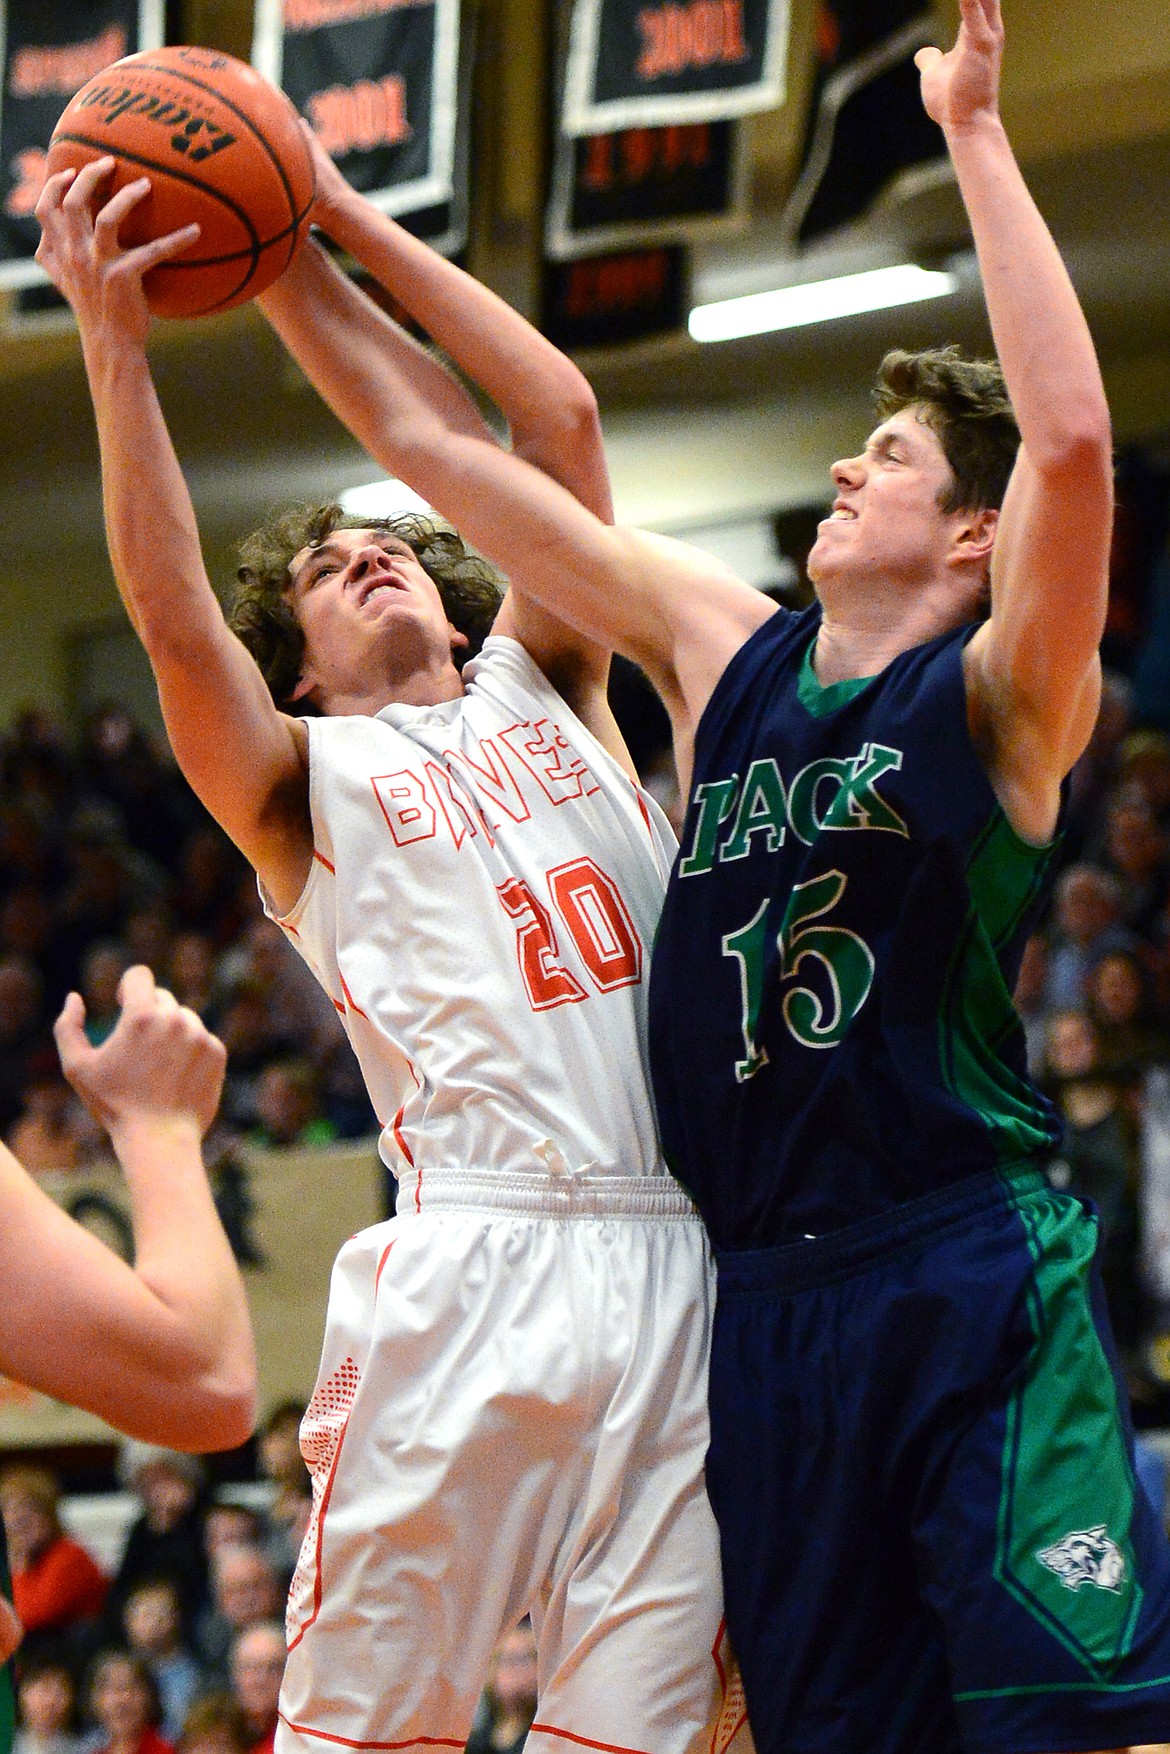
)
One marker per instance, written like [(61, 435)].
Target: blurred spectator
[(344, 1097), (191, 971), (253, 1037), (278, 1454), (229, 1523), (207, 891), (263, 958), (101, 975), (257, 1668), (510, 1695), (1098, 1159), (288, 1107), (153, 1624), (1144, 763), (117, 764), (148, 935), (1086, 923), (56, 1583), (1096, 771), (245, 1588), (1118, 996), (1136, 851), (215, 1725), (124, 1704), (54, 1129), (25, 1037), (29, 929), (166, 1539), (46, 1702)]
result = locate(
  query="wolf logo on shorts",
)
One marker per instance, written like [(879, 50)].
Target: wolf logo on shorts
[(1086, 1556)]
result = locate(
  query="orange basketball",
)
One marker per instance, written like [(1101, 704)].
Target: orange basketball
[(220, 145)]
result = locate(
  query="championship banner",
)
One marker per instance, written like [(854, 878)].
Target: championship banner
[(607, 301), (866, 120), (635, 63), (48, 49), (644, 186), (378, 80)]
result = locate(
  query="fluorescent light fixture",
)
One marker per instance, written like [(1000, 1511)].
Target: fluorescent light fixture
[(817, 301), (381, 499)]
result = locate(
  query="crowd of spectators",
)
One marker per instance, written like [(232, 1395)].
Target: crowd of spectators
[(107, 858), (1094, 995), (180, 1646)]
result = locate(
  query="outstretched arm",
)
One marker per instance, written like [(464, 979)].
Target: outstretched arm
[(243, 758), (162, 1350), (549, 406), (550, 409), (1034, 674), (667, 606)]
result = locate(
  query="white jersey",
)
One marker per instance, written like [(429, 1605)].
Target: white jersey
[(485, 889)]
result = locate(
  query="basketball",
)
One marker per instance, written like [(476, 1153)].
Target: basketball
[(220, 145)]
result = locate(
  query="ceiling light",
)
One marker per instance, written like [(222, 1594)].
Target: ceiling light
[(817, 301), (381, 499)]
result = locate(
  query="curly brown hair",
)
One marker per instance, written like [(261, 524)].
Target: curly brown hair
[(966, 403), (262, 615)]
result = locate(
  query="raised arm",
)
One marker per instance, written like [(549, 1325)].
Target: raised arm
[(162, 1350), (243, 758), (549, 405), (1034, 674)]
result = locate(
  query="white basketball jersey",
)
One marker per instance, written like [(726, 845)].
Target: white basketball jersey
[(485, 890)]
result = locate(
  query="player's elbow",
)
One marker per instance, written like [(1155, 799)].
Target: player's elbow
[(221, 1409), (1080, 444)]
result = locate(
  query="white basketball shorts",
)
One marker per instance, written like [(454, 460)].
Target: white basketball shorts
[(511, 1418)]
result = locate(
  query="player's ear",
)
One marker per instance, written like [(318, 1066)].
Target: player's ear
[(305, 684), (975, 537), (459, 641)]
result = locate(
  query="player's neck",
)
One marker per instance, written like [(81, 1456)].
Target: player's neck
[(421, 687), (863, 631)]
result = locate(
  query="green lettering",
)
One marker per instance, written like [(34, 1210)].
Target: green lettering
[(715, 800), (761, 810)]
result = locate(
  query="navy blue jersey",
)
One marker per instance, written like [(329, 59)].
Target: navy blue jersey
[(831, 1023)]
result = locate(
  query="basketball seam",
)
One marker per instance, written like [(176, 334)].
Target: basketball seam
[(213, 91)]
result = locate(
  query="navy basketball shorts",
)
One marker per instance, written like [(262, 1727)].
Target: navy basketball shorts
[(922, 1469)]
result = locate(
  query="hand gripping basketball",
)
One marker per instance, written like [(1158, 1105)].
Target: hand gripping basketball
[(222, 148)]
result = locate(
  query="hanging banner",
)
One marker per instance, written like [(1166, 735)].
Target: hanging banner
[(48, 49), (866, 120), (635, 63), (378, 82), (644, 186), (607, 301)]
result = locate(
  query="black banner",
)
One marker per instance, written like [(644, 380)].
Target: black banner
[(379, 82), (644, 186), (635, 63), (605, 301), (49, 49), (866, 121)]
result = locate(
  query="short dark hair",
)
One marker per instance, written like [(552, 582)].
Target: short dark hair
[(262, 615), (968, 407)]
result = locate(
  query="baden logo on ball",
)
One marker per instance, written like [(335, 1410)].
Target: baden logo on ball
[(220, 145)]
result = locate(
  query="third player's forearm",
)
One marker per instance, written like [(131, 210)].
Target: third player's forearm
[(202, 1330)]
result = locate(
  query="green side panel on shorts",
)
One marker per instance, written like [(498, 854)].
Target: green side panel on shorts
[(1067, 1487), (977, 1012)]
